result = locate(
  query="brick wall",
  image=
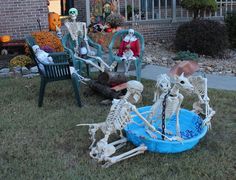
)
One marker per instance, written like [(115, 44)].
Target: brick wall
[(154, 31), (81, 6), (19, 17)]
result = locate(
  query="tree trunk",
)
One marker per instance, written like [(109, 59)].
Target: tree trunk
[(103, 89), (112, 78)]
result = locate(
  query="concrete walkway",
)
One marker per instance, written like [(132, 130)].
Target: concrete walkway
[(214, 81)]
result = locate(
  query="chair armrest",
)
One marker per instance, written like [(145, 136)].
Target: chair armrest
[(60, 57), (95, 45)]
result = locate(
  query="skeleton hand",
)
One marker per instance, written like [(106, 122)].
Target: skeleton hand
[(176, 138)]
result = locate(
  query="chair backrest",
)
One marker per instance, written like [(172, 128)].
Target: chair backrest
[(121, 34), (30, 41), (53, 71), (67, 42)]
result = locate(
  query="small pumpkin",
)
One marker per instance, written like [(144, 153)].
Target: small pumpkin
[(54, 20), (5, 38)]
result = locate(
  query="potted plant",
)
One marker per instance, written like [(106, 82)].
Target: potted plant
[(115, 20)]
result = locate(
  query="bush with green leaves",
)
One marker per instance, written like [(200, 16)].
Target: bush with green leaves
[(230, 21), (199, 5), (204, 37), (186, 55)]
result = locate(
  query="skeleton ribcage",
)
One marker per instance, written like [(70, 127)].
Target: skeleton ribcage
[(118, 116), (199, 85)]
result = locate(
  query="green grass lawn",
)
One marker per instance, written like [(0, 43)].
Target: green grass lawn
[(44, 143)]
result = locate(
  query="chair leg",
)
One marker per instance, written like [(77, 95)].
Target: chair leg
[(88, 70), (76, 86), (41, 92), (138, 70), (116, 68)]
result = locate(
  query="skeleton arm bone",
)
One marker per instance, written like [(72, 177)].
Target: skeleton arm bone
[(133, 108)]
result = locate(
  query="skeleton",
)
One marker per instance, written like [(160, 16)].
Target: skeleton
[(79, 29), (118, 117), (200, 89), (128, 55), (173, 101)]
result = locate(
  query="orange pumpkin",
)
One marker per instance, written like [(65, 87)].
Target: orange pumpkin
[(54, 20), (5, 38)]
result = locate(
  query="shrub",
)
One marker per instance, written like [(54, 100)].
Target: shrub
[(115, 20), (202, 37), (199, 5), (230, 21), (186, 55), (20, 60)]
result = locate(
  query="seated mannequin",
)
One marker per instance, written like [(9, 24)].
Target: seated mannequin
[(129, 49), (42, 56)]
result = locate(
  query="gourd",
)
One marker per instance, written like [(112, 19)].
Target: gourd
[(5, 38)]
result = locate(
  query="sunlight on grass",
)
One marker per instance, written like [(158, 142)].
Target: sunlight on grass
[(43, 143)]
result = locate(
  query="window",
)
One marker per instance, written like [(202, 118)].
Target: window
[(60, 7)]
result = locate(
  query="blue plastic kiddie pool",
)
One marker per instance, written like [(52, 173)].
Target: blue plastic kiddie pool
[(191, 130)]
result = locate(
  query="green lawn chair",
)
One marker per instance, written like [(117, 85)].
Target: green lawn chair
[(119, 35), (69, 46), (57, 71)]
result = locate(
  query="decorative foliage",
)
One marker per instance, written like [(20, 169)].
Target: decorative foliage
[(20, 60), (44, 38), (230, 21), (48, 49), (199, 5), (115, 20), (186, 55), (202, 37)]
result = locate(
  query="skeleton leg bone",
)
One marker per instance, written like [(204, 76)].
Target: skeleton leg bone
[(112, 160), (177, 116), (93, 64), (113, 65)]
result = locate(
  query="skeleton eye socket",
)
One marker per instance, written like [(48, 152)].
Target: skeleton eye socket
[(161, 85), (181, 82)]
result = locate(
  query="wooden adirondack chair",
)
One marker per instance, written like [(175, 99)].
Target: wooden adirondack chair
[(119, 35), (57, 71)]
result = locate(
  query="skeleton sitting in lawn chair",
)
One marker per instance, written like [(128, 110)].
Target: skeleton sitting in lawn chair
[(79, 30)]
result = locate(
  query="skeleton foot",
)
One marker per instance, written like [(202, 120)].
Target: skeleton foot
[(113, 65), (129, 154), (177, 138)]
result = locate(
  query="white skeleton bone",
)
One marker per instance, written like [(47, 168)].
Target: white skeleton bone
[(173, 101), (200, 89), (79, 29), (118, 117)]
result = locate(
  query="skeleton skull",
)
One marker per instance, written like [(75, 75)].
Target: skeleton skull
[(35, 48), (131, 32), (183, 82), (135, 88), (73, 12)]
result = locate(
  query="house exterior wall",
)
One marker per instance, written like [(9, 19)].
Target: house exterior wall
[(156, 31), (81, 6), (19, 17)]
